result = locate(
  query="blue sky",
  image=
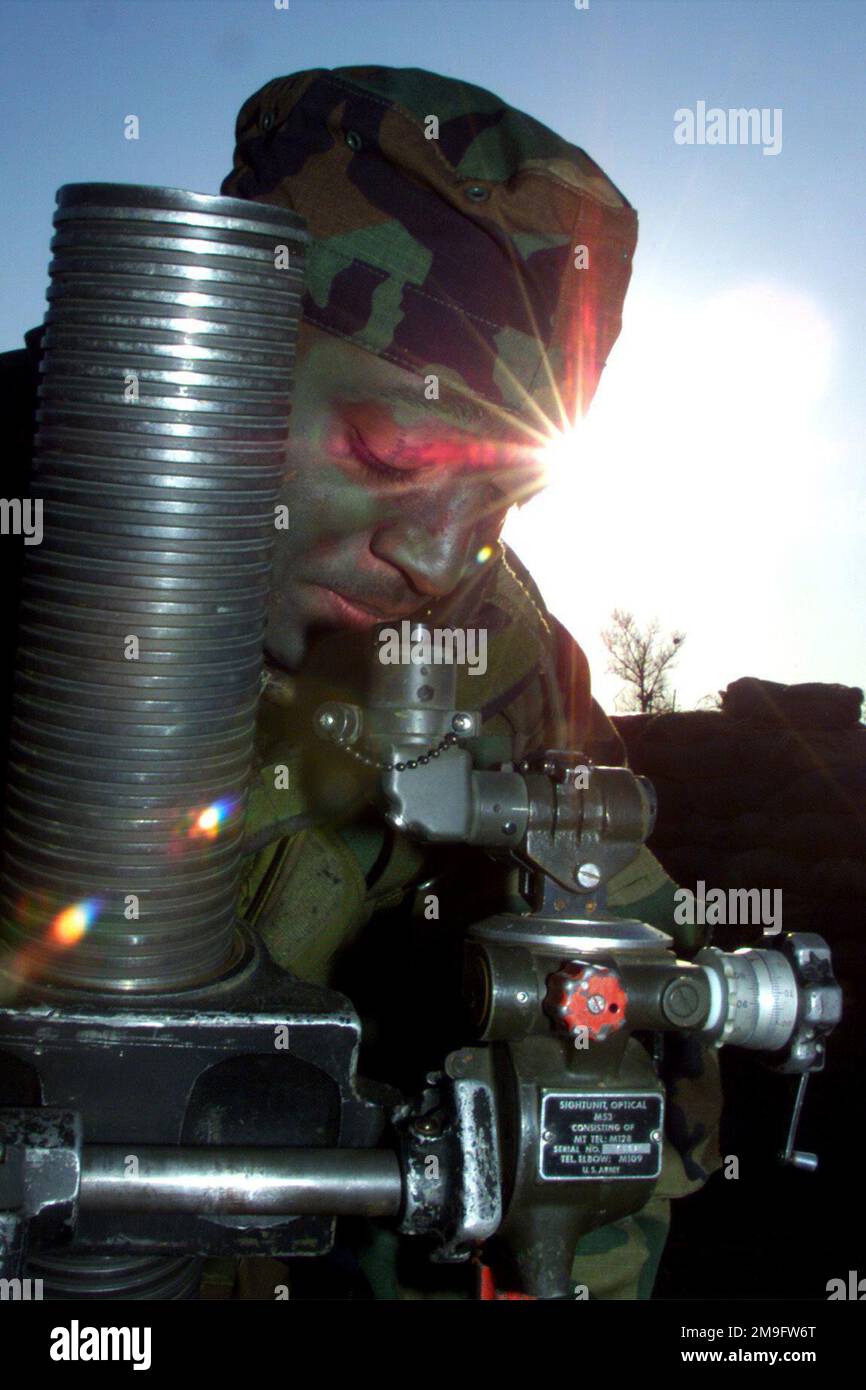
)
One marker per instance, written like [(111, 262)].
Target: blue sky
[(724, 490)]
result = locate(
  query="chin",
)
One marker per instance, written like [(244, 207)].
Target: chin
[(285, 646)]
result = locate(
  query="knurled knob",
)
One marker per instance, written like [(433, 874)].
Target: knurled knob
[(586, 996)]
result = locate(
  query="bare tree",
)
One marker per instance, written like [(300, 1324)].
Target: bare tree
[(643, 660)]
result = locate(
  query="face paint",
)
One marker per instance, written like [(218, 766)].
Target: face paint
[(389, 502)]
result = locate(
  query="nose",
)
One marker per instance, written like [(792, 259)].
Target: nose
[(431, 541)]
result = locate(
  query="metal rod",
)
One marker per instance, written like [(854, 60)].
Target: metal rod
[(237, 1181)]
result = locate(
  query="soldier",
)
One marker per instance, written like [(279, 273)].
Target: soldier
[(465, 281)]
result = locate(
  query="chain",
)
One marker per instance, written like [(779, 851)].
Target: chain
[(447, 742)]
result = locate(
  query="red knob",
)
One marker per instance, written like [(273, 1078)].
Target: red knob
[(587, 996)]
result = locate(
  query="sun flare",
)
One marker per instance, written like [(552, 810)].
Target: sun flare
[(700, 452)]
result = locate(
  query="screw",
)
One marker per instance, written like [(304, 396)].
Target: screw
[(462, 723), (596, 1003), (588, 875), (548, 1136), (521, 996), (426, 1125), (656, 1136), (461, 1062)]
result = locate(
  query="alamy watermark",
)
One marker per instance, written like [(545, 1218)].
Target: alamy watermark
[(77, 1343), (731, 907), (438, 646), (22, 517), (853, 1288), (20, 1290), (738, 125)]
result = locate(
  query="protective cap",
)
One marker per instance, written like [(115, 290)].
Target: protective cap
[(450, 232)]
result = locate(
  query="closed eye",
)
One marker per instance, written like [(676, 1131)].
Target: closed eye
[(365, 456), (504, 487)]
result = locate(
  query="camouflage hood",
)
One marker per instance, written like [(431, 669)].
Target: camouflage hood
[(451, 234)]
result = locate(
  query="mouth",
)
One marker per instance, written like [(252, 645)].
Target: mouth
[(350, 612)]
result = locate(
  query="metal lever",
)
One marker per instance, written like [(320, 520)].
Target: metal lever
[(797, 1158)]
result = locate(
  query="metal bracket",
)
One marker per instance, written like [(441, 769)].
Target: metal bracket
[(40, 1180)]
